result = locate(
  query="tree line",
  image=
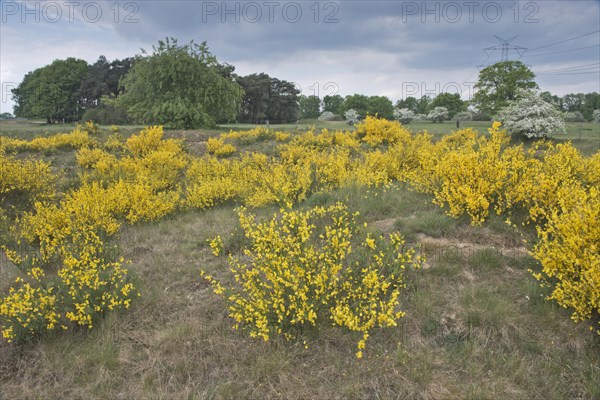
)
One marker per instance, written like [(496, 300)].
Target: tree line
[(185, 86)]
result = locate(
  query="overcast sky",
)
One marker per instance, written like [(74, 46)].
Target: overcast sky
[(391, 48)]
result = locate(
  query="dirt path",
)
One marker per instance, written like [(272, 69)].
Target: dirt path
[(428, 242)]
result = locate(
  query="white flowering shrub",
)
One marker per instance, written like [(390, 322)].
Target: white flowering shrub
[(464, 116), (438, 114), (596, 117), (574, 116), (327, 116), (404, 115), (351, 116), (530, 116)]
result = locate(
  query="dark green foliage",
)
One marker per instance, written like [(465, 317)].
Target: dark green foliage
[(182, 87), (310, 107), (50, 92), (102, 79), (268, 99), (451, 101), (106, 115), (333, 104), (499, 83)]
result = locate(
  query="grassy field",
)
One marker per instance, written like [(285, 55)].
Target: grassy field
[(476, 326)]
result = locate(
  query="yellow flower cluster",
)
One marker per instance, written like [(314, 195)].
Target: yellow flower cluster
[(90, 127), (557, 187), (148, 177), (24, 181), (250, 136), (255, 180), (314, 267), (469, 172), (219, 148), (149, 161), (72, 234), (77, 139), (326, 140), (282, 136), (376, 131), (569, 251), (27, 311)]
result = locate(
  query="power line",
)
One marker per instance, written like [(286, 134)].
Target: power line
[(573, 69), (562, 51), (564, 41), (572, 73)]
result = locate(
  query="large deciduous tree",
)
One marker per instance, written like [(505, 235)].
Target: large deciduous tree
[(50, 92), (409, 103), (267, 98), (451, 101), (333, 104), (357, 102), (381, 106), (180, 86), (499, 84), (310, 107), (103, 79)]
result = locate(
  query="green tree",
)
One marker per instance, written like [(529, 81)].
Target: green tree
[(573, 101), (552, 99), (267, 98), (180, 86), (423, 105), (51, 92), (499, 83), (357, 102), (283, 102), (382, 106), (410, 103), (6, 115), (333, 104), (591, 102), (451, 101), (310, 107), (103, 79), (257, 90)]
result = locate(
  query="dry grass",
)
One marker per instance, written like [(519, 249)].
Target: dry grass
[(476, 327)]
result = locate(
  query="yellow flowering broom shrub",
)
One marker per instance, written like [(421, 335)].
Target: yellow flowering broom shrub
[(537, 176), (377, 131), (469, 175), (26, 311), (75, 278), (569, 251), (77, 139), (273, 182), (24, 181), (254, 180), (86, 284), (306, 268), (90, 127), (250, 136), (326, 140), (210, 182), (219, 148), (151, 177), (282, 136)]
